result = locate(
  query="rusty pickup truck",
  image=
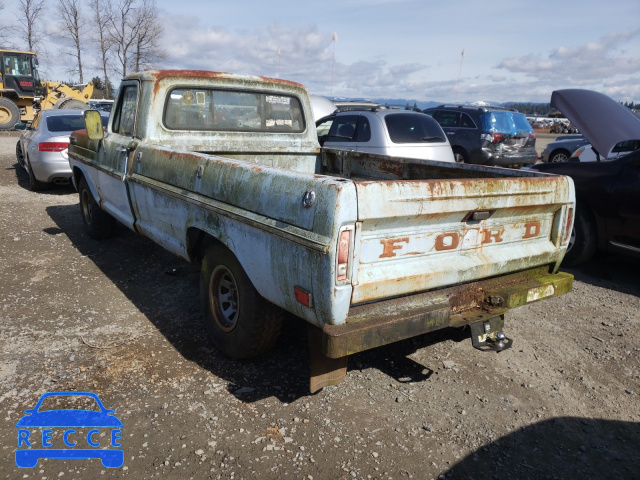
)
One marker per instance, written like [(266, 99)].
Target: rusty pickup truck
[(226, 172)]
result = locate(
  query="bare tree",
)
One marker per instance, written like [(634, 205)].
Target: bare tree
[(101, 14), (134, 29), (147, 49), (73, 25), (28, 20), (3, 31)]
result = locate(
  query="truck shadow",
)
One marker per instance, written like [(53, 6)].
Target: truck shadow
[(165, 289), (612, 271), (560, 448)]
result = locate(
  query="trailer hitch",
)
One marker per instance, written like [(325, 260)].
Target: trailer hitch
[(488, 335)]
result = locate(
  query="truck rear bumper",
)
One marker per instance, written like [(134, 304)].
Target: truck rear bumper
[(372, 325)]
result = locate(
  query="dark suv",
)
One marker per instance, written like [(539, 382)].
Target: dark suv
[(487, 135)]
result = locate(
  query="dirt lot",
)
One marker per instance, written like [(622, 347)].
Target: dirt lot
[(121, 318)]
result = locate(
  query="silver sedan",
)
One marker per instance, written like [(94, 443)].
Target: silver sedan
[(42, 148)]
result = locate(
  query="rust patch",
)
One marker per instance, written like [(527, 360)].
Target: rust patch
[(466, 300), (160, 75)]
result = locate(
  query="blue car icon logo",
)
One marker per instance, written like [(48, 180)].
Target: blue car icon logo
[(68, 433)]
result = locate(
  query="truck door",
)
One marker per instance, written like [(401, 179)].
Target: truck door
[(119, 149)]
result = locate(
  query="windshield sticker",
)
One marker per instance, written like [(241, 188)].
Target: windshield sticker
[(278, 100)]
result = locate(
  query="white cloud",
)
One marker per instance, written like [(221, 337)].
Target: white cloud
[(583, 65)]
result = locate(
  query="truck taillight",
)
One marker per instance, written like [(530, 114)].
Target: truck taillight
[(568, 225), (344, 244), (53, 146)]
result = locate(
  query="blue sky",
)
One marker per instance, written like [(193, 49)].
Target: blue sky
[(411, 49)]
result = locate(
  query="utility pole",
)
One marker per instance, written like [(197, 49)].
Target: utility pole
[(459, 72), (333, 56)]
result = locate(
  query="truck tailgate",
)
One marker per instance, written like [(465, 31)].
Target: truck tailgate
[(417, 235)]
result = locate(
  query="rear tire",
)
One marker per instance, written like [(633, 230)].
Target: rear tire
[(35, 185), (239, 322), (559, 156), (460, 155), (98, 223), (584, 239), (9, 114), (20, 155)]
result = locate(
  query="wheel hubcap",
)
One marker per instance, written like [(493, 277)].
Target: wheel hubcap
[(223, 298)]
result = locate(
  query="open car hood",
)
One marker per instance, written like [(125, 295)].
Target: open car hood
[(602, 120)]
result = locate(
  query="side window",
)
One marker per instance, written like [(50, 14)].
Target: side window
[(322, 130), (364, 129), (343, 129), (449, 119), (124, 118), (466, 121)]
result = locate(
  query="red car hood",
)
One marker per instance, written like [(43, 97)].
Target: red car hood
[(602, 120)]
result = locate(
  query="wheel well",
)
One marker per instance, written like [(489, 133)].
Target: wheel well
[(560, 150), (198, 241), (461, 151), (10, 95), (77, 176), (585, 208)]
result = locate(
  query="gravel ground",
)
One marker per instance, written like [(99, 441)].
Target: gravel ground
[(121, 318)]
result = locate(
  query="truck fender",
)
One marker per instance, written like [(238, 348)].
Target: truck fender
[(79, 172)]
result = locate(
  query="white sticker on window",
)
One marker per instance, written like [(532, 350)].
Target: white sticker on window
[(278, 100)]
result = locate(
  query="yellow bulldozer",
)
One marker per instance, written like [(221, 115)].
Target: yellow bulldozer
[(22, 93)]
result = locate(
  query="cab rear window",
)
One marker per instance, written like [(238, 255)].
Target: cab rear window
[(214, 109)]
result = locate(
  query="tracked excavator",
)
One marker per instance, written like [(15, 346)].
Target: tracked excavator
[(23, 94)]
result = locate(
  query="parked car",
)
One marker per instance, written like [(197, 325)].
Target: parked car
[(487, 135), (321, 106), (587, 153), (42, 148), (102, 105), (607, 192), (386, 131), (562, 148)]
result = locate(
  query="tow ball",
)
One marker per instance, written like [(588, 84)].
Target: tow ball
[(487, 335)]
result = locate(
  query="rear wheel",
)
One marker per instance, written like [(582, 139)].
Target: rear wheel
[(99, 224), (20, 155), (460, 155), (583, 241), (35, 185), (559, 156), (239, 322), (9, 114)]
